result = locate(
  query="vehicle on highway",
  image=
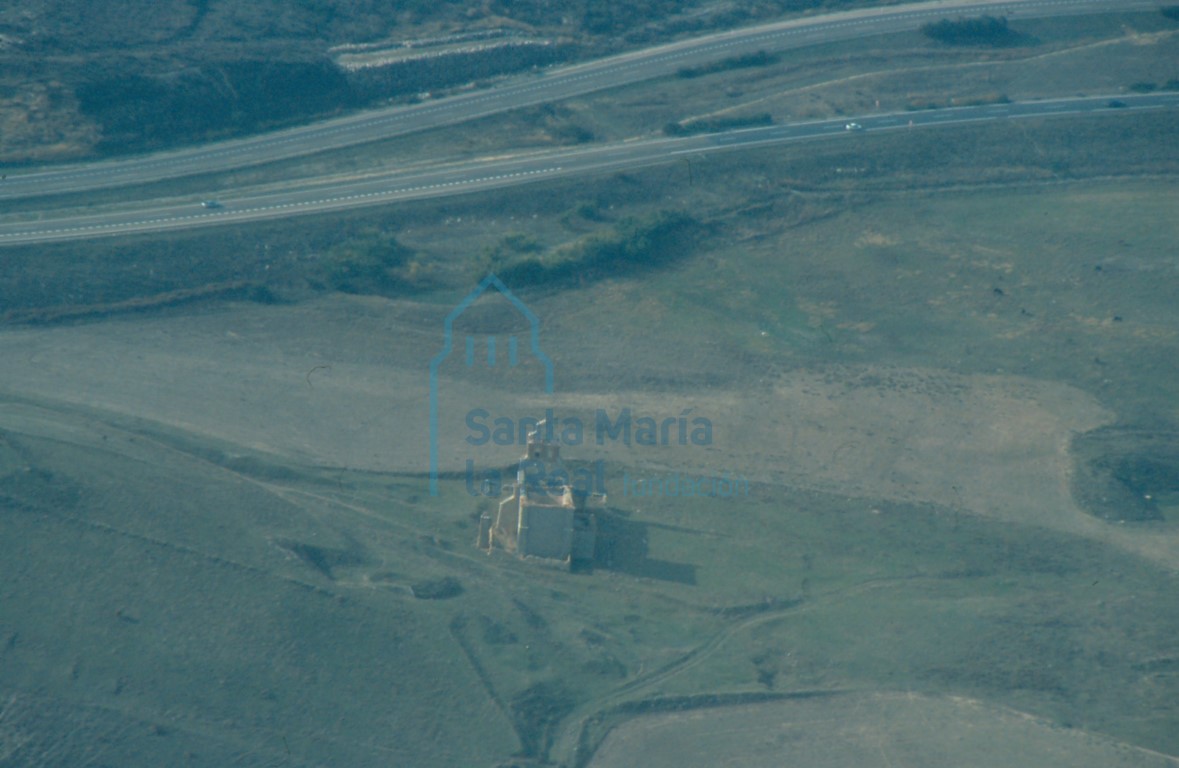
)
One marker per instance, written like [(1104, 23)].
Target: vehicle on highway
[(853, 127), (212, 204)]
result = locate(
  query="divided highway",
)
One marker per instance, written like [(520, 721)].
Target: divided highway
[(474, 176), (551, 85)]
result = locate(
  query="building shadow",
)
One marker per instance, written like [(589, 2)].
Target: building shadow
[(621, 546)]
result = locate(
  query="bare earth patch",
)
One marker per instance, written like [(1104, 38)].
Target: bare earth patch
[(861, 729), (344, 382)]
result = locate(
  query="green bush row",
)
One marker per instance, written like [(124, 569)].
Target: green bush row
[(746, 61), (981, 30)]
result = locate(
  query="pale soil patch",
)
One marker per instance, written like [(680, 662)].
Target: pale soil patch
[(871, 729), (344, 382), (40, 122)]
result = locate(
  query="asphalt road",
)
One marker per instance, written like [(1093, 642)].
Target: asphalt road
[(550, 85), (344, 193)]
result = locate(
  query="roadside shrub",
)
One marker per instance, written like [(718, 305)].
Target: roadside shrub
[(633, 243), (746, 61), (982, 30)]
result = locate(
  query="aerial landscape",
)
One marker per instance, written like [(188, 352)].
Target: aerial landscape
[(589, 384)]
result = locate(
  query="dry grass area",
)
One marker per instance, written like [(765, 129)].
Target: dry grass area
[(854, 729), (41, 124), (231, 500)]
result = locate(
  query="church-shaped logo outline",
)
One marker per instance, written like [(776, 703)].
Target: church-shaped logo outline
[(491, 281)]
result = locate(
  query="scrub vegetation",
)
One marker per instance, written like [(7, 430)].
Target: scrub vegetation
[(749, 61), (982, 30), (631, 246)]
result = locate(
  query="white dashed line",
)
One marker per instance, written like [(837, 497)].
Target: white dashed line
[(363, 129)]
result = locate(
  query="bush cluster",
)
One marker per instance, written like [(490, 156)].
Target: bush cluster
[(981, 30), (633, 243), (747, 61)]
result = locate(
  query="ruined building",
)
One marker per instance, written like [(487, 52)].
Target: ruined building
[(544, 515)]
